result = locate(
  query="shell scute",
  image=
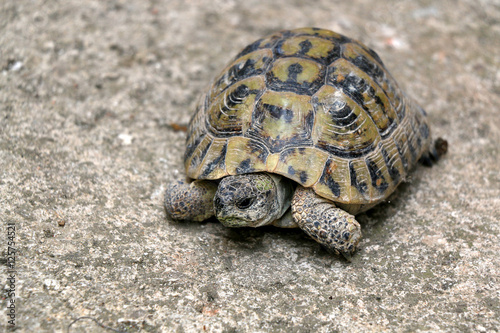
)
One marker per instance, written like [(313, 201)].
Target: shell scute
[(213, 164), (245, 155), (379, 175), (318, 49), (304, 165), (282, 119), (195, 159), (359, 181), (360, 87), (334, 183), (249, 65), (363, 59), (342, 127), (231, 111), (296, 75)]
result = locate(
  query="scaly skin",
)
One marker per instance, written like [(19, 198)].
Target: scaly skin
[(193, 201), (330, 226)]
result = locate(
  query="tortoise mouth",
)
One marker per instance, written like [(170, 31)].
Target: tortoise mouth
[(238, 214), (234, 222)]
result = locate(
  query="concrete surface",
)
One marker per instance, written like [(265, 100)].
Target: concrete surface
[(88, 91)]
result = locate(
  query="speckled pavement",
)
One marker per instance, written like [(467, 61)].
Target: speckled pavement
[(91, 96)]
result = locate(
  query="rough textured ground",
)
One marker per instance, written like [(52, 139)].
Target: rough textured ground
[(88, 91)]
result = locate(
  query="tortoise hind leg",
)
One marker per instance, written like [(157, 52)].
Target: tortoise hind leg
[(193, 201), (437, 149), (330, 226)]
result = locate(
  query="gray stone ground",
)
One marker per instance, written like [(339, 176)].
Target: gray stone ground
[(88, 90)]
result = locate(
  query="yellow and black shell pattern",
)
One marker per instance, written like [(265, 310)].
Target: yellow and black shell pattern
[(314, 106)]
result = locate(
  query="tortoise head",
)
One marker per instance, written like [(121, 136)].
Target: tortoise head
[(251, 200)]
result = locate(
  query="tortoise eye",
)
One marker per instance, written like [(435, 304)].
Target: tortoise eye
[(245, 203)]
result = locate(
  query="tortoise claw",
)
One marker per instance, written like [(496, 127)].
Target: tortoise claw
[(347, 256)]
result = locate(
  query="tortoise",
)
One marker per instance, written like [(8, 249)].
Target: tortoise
[(304, 128)]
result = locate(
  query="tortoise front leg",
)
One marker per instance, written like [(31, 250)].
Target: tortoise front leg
[(193, 201), (330, 226)]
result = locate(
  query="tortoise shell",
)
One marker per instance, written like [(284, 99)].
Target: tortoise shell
[(314, 106)]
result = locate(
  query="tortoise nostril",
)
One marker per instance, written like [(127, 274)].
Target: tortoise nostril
[(217, 204)]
